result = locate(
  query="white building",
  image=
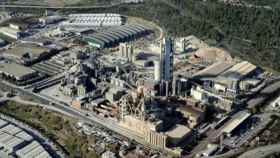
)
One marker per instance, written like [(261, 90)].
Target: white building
[(11, 32), (93, 20)]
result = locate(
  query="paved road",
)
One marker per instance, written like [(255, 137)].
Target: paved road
[(261, 152)]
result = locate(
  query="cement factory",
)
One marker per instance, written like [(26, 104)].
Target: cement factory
[(164, 93)]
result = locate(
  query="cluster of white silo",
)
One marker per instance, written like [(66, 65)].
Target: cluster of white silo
[(94, 20)]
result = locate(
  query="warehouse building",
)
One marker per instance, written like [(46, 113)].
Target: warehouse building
[(29, 54), (50, 19), (16, 142), (17, 74), (235, 122), (113, 37), (11, 32), (12, 138), (34, 150), (224, 80), (10, 143), (93, 20)]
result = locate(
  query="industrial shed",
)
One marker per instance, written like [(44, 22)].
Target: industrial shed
[(94, 20), (114, 36)]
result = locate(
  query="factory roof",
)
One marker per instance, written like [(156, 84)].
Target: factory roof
[(9, 30), (94, 20), (9, 141), (11, 129), (112, 37), (16, 70), (21, 49), (94, 40), (103, 38), (116, 34), (239, 70), (25, 136), (236, 120), (2, 123), (12, 143), (28, 148), (178, 131), (194, 112), (5, 136), (34, 150), (213, 70)]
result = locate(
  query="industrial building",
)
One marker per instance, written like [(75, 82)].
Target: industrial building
[(228, 78), (14, 30), (93, 20), (16, 142), (50, 19), (11, 32), (221, 82), (17, 74), (226, 129), (114, 36), (34, 150), (163, 70), (29, 54), (192, 114), (166, 59), (126, 50)]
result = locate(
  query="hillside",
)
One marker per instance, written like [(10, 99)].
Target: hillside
[(251, 33)]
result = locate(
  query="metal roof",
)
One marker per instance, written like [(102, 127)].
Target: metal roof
[(239, 70), (25, 136), (213, 70), (28, 148), (15, 70), (136, 28), (112, 39), (140, 26), (3, 123), (112, 36), (236, 120), (115, 35), (131, 31), (120, 35), (95, 40), (11, 129), (104, 39), (125, 34)]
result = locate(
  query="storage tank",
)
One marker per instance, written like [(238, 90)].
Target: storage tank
[(157, 70)]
